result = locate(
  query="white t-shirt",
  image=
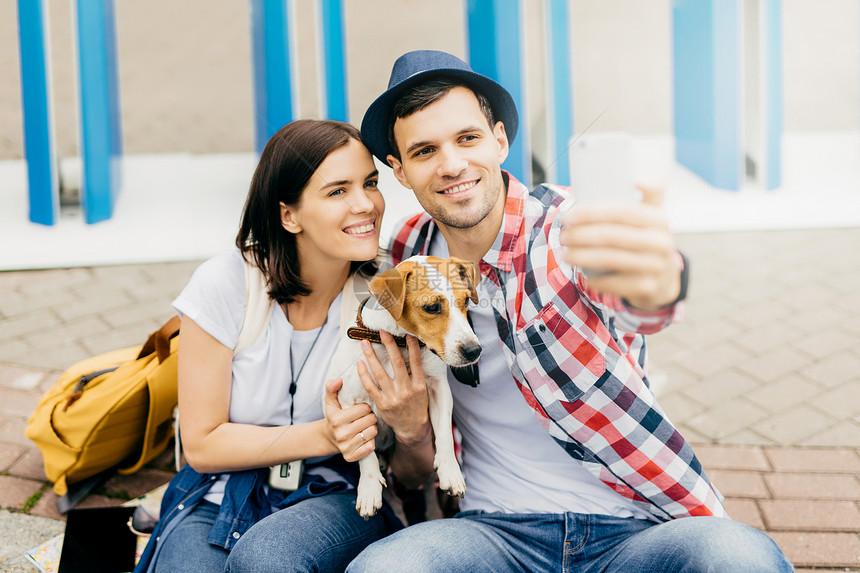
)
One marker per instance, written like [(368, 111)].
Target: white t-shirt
[(510, 463), (214, 298)]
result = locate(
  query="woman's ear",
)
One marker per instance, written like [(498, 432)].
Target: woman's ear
[(288, 220)]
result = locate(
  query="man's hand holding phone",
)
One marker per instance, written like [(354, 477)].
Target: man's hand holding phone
[(622, 242)]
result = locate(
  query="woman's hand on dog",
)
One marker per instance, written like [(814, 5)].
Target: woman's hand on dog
[(351, 430), (401, 401)]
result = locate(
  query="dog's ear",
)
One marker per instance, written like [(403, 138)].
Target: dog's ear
[(469, 274), (389, 289)]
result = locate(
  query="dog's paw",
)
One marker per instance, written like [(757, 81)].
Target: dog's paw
[(451, 478), (369, 496)]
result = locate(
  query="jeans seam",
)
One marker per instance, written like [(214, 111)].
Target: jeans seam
[(587, 527)]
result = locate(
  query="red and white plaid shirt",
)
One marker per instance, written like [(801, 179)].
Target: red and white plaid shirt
[(578, 358)]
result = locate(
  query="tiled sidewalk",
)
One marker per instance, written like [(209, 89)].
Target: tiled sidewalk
[(762, 376), (804, 498)]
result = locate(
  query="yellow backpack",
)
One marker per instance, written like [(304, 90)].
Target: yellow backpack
[(114, 409), (117, 409)]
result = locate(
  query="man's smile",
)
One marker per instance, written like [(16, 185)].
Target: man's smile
[(458, 188)]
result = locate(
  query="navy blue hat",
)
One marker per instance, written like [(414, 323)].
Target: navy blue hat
[(413, 68)]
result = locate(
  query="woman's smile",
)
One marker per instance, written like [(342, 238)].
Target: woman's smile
[(363, 229)]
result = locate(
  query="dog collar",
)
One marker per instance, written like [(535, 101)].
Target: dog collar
[(361, 332)]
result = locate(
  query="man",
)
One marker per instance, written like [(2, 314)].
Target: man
[(569, 462)]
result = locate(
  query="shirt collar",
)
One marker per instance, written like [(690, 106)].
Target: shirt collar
[(501, 254)]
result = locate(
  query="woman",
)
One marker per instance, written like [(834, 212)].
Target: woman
[(311, 219)]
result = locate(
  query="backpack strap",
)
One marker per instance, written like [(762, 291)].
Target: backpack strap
[(354, 291), (159, 341), (349, 299), (258, 308)]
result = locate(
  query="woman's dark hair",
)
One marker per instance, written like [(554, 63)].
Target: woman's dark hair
[(288, 161)]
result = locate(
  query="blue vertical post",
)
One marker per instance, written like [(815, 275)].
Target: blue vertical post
[(273, 81), (334, 60), (560, 84), (706, 41), (496, 50), (98, 80), (39, 150), (772, 177)]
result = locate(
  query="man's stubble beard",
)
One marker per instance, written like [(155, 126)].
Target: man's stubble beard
[(455, 219)]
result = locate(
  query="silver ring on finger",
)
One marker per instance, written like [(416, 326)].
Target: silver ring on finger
[(363, 439)]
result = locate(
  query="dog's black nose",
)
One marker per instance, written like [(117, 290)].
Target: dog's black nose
[(470, 352)]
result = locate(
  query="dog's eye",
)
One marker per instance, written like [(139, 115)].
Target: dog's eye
[(434, 308)]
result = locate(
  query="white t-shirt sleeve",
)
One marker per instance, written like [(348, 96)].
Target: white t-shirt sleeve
[(214, 297)]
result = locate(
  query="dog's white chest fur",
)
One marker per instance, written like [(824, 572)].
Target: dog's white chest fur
[(430, 295), (353, 391)]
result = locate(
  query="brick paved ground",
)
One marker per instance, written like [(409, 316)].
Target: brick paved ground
[(762, 375), (767, 354)]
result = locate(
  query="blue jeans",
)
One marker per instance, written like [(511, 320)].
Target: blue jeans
[(318, 534), (186, 548), (474, 542)]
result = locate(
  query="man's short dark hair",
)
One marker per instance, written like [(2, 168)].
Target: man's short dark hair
[(422, 95)]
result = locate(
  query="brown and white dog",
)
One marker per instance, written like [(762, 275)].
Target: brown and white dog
[(426, 297)]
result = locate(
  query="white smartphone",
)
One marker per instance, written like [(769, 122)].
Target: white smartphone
[(601, 166)]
